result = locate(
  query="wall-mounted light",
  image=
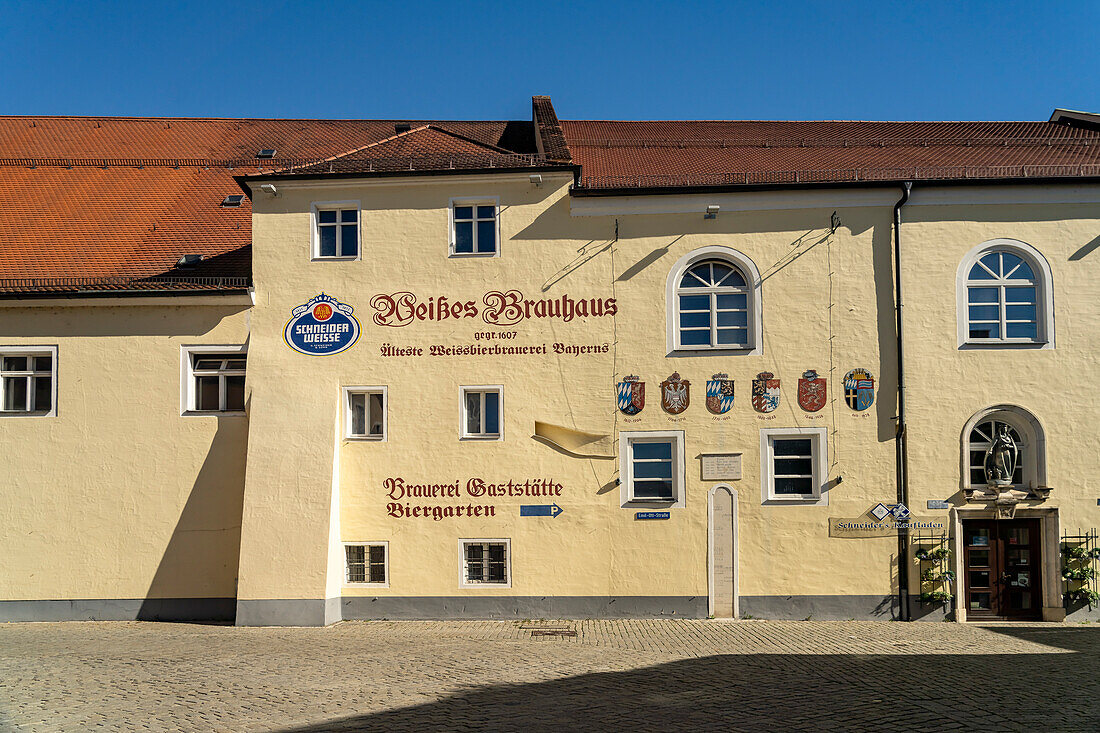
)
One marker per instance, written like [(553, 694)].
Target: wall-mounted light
[(269, 189), (712, 211), (536, 179)]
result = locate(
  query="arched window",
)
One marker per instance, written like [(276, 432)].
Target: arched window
[(1005, 296), (713, 302), (1025, 431)]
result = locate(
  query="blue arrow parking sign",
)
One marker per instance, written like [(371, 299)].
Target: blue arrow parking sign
[(539, 510)]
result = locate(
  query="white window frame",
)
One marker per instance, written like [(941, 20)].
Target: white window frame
[(1044, 296), (464, 434), (755, 319), (31, 351), (367, 583), (626, 468), (474, 201), (1029, 429), (382, 390), (463, 583), (315, 230), (187, 378), (820, 447)]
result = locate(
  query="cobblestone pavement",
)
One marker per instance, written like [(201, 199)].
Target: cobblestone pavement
[(502, 675)]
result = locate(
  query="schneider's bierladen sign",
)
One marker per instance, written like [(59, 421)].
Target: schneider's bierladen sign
[(862, 527)]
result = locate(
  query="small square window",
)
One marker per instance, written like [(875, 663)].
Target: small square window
[(27, 381), (367, 563), (486, 563), (214, 379), (651, 467), (366, 413), (793, 465), (481, 412), (234, 200), (336, 231), (474, 229)]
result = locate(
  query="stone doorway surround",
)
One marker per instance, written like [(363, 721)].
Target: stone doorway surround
[(1050, 571)]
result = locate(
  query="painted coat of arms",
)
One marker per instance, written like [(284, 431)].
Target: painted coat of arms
[(631, 395), (811, 391), (765, 392), (675, 394), (859, 389), (719, 394)]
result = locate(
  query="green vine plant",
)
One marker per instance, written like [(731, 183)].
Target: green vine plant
[(935, 596), (941, 553), (1078, 573), (924, 554), (931, 575), (1084, 595), (1075, 552)]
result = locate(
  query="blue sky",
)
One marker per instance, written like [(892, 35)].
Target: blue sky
[(610, 60)]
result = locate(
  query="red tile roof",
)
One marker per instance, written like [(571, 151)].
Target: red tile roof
[(91, 203), (632, 155)]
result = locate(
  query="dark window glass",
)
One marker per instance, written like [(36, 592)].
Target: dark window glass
[(349, 241), (695, 320), (985, 330), (43, 393), (326, 217), (464, 237), (206, 393), (234, 393), (376, 413), (486, 236), (800, 485), (695, 338), (492, 413), (15, 394), (646, 450), (377, 564), (356, 563), (328, 242), (473, 413), (464, 212), (348, 215), (43, 363), (486, 212), (792, 447), (358, 413), (15, 363)]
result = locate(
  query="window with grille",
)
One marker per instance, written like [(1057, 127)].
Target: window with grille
[(367, 563), (793, 463), (336, 231), (215, 380), (981, 438), (27, 381), (481, 412), (474, 228), (366, 412), (485, 562)]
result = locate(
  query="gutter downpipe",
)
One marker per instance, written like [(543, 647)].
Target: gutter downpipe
[(901, 458)]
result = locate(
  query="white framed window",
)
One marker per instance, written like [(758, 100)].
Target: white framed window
[(481, 412), (713, 303), (794, 466), (486, 563), (1026, 432), (365, 410), (1005, 297), (213, 379), (28, 381), (475, 227), (651, 468), (367, 563), (335, 230)]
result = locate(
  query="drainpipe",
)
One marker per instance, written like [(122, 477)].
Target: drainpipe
[(901, 458)]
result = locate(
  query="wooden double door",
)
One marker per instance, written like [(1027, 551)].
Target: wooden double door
[(1002, 569)]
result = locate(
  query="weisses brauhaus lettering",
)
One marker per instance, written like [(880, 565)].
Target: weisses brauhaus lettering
[(498, 308)]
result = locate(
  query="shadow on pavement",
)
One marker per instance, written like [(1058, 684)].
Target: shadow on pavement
[(1055, 691)]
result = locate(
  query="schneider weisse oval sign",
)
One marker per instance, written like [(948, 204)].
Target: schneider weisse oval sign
[(322, 327)]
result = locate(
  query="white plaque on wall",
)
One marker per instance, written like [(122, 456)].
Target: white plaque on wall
[(721, 466)]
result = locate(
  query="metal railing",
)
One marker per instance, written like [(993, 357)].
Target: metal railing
[(157, 282)]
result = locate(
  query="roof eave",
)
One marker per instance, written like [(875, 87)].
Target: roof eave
[(244, 181)]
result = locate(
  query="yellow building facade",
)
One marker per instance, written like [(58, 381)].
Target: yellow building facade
[(504, 393)]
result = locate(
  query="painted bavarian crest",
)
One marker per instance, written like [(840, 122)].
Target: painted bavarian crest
[(811, 391), (859, 389), (323, 326), (631, 395), (675, 394), (765, 392), (719, 394)]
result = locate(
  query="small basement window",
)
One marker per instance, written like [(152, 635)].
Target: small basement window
[(367, 563), (234, 200), (486, 562)]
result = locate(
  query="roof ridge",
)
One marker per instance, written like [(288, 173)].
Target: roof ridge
[(242, 119), (803, 122)]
